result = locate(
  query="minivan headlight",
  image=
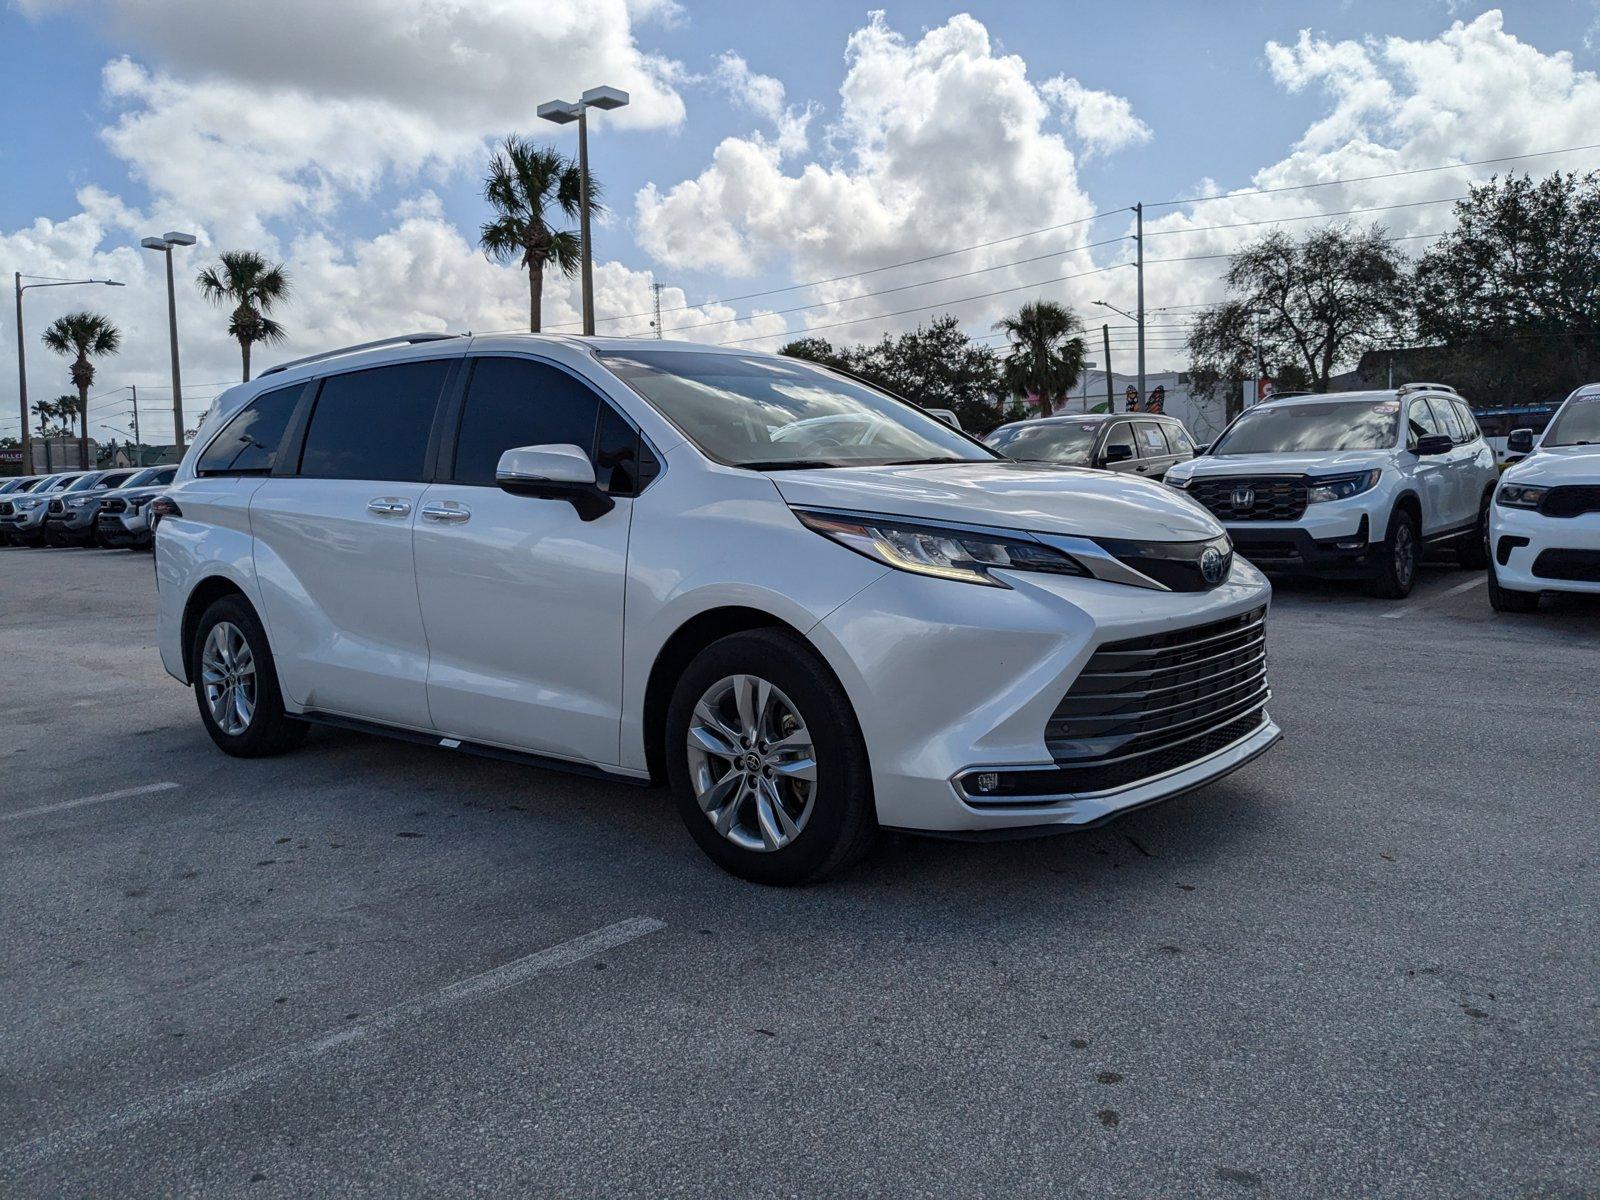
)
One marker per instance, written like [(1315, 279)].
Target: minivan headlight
[(1518, 495), (943, 551), (1341, 487)]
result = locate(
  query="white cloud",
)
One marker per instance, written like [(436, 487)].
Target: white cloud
[(1102, 122), (766, 97)]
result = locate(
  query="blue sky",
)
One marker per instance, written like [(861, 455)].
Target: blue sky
[(385, 177)]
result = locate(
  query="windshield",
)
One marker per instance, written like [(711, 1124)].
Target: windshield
[(769, 413), (1069, 442), (147, 476), (1313, 428), (82, 483), (1578, 423)]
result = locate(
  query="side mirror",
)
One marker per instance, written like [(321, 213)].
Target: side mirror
[(558, 472), (1434, 443), (1118, 453), (1520, 441), (1200, 448)]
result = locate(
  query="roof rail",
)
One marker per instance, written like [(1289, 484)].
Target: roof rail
[(410, 339), (1425, 387)]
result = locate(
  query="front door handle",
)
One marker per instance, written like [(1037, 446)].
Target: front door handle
[(388, 506), (448, 513)]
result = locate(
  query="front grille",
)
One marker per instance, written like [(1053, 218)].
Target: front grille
[(1270, 551), (1571, 500), (5, 508), (1579, 566), (1260, 498), (1145, 706), (113, 506), (57, 507)]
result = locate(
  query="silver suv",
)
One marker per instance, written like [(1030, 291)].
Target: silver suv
[(1354, 485)]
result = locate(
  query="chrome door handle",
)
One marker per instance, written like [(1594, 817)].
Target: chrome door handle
[(388, 506), (449, 513)]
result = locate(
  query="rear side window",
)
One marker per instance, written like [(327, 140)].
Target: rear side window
[(248, 444), (1179, 437), (374, 424), (1152, 444)]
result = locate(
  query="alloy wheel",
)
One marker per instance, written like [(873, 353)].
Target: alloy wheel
[(228, 674), (1405, 554), (752, 763)]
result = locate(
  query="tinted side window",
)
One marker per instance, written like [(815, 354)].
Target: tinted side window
[(1121, 435), (248, 444), (1445, 412), (517, 402), (1152, 443), (374, 424)]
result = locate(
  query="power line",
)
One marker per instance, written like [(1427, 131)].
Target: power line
[(1344, 212)]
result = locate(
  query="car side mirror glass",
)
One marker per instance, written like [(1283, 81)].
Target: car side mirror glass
[(1116, 454), (1201, 448), (554, 472), (1520, 441), (1434, 443)]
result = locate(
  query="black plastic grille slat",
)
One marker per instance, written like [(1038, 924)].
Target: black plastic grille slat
[(1576, 566), (5, 508), (56, 506), (1571, 500), (1274, 497), (1140, 700), (113, 506)]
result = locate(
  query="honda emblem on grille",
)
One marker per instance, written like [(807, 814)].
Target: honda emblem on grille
[(1244, 497)]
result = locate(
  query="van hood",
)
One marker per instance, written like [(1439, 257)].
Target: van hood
[(1333, 462), (1557, 464), (1071, 501)]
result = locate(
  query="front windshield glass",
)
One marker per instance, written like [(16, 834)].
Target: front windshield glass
[(140, 478), (771, 414), (1313, 428), (1070, 442), (1578, 423)]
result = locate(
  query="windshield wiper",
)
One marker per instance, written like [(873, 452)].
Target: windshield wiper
[(920, 462), (792, 464)]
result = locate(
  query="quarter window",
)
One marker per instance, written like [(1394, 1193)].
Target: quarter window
[(374, 424), (248, 444)]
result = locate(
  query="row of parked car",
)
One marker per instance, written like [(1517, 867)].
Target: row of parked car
[(82, 508), (1361, 485)]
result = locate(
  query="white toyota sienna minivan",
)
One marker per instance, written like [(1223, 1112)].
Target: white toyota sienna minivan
[(665, 562)]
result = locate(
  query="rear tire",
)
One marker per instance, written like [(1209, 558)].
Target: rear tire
[(236, 684), (1507, 601), (1397, 569), (1473, 553), (766, 761)]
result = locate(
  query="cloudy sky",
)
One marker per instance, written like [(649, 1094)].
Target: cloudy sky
[(778, 170)]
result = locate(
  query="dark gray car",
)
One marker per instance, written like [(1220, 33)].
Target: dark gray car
[(1143, 444)]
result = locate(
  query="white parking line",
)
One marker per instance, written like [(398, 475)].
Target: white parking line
[(1444, 595), (117, 795), (26, 1155)]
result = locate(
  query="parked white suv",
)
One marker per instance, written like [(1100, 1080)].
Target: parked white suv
[(1544, 529), (1354, 484), (600, 554)]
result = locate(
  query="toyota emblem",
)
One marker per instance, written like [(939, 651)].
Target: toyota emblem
[(1244, 497), (1213, 565)]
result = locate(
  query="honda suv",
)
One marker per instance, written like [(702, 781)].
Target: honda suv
[(607, 555), (1355, 485)]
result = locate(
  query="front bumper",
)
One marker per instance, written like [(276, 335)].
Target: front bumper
[(1535, 553), (26, 526), (949, 680), (1288, 549), (123, 529), (73, 527)]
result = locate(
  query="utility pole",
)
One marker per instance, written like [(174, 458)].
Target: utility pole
[(22, 382), (656, 288), (1111, 400), (1138, 213), (136, 441)]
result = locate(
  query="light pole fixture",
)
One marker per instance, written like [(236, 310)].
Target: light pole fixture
[(165, 243), (22, 352), (563, 112)]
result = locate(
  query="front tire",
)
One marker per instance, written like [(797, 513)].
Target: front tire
[(766, 761), (1397, 569), (236, 684), (1507, 601)]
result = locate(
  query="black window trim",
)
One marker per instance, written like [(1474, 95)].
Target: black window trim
[(455, 407)]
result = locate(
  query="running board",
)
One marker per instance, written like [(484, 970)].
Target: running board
[(479, 749)]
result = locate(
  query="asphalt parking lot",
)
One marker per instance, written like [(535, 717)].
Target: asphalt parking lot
[(1366, 964)]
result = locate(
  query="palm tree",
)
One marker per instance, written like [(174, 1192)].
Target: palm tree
[(55, 416), (83, 335), (244, 281), (525, 182), (1047, 352)]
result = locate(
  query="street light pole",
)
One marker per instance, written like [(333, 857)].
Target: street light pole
[(1138, 212), (562, 112), (165, 243), (22, 355)]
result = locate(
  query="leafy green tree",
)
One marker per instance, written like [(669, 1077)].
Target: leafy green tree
[(1512, 293), (55, 416), (82, 337), (244, 282), (1315, 303), (1047, 352), (526, 185)]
